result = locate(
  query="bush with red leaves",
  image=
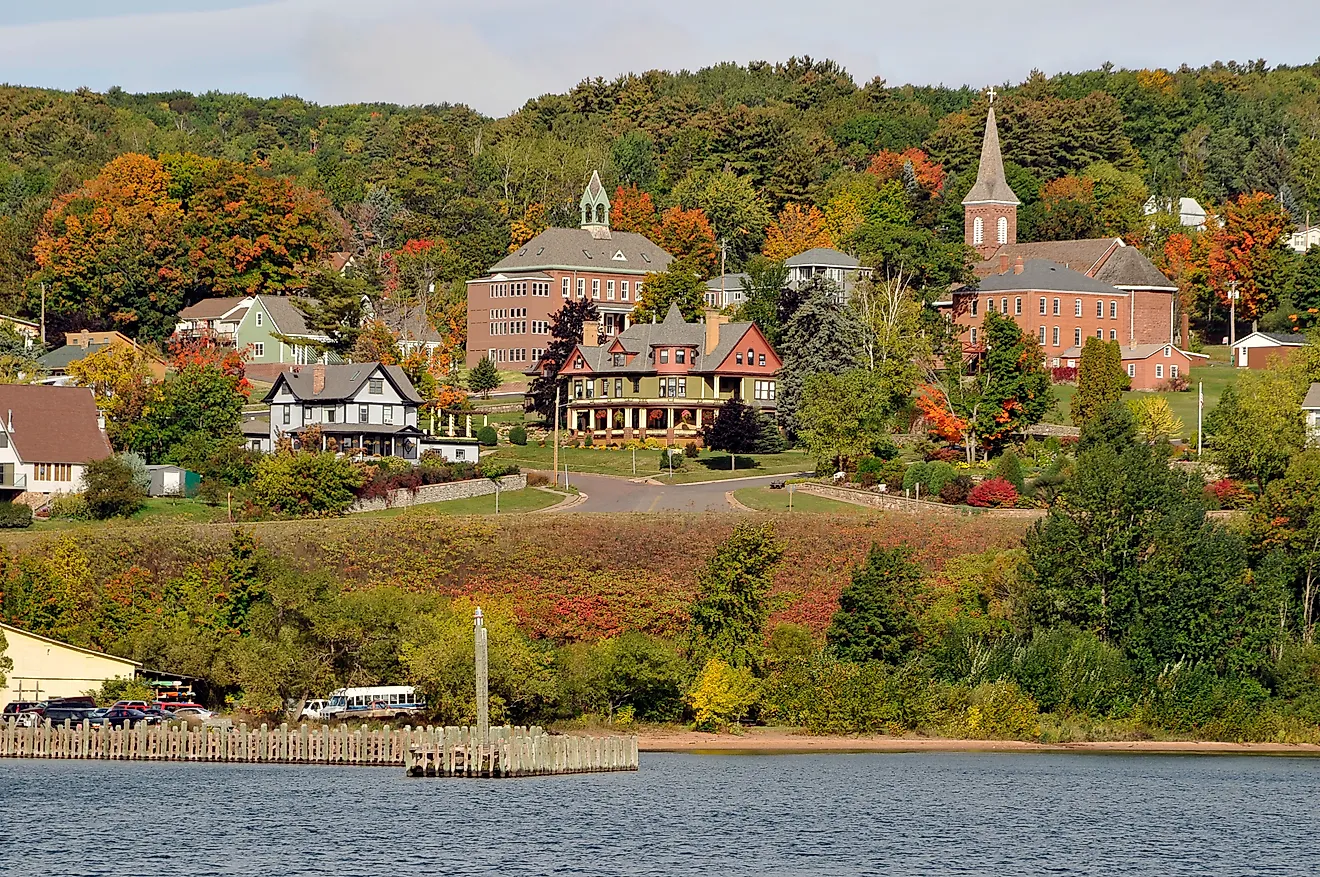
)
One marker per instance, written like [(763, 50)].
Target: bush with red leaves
[(993, 493)]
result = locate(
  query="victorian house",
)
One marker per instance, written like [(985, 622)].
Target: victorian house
[(362, 408), (509, 309), (668, 379)]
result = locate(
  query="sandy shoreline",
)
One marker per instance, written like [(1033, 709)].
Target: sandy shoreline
[(773, 740)]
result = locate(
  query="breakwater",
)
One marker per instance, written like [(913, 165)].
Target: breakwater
[(324, 744)]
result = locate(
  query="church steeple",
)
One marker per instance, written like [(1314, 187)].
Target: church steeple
[(595, 208), (990, 208)]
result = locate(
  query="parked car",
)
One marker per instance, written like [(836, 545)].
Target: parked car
[(14, 707), (131, 705), (193, 713), (313, 709), (57, 715), (118, 717), (30, 719)]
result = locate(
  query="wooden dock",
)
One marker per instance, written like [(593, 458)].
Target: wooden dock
[(515, 752)]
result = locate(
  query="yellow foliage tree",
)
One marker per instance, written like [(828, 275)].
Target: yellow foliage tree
[(120, 378), (1156, 421), (722, 695), (796, 230)]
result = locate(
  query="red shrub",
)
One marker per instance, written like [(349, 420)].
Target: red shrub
[(1227, 494), (944, 455), (1064, 374), (993, 493)]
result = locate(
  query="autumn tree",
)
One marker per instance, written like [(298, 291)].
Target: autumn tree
[(680, 285), (687, 236), (893, 337), (1285, 522), (796, 230), (1156, 422), (737, 213), (887, 165), (1246, 252), (120, 378), (632, 210), (534, 221), (1066, 211)]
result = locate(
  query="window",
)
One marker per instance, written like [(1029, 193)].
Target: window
[(1168, 351), (364, 413), (1159, 370), (1173, 369), (563, 289), (990, 306), (1042, 336), (307, 414), (1003, 306), (329, 415), (664, 354), (750, 354), (458, 454), (1100, 333), (1099, 310), (605, 388), (978, 231), (609, 290), (1055, 336), (1077, 307), (1077, 337), (680, 356), (1042, 307), (975, 302), (618, 386), (682, 388), (258, 348), (54, 472), (581, 288), (1056, 307), (1017, 305), (387, 414), (1113, 310), (591, 389), (1001, 229), (577, 389), (739, 357), (595, 289), (618, 359), (623, 290), (760, 360), (579, 363), (1132, 369), (376, 386), (257, 318), (288, 414), (1113, 334), (973, 335), (764, 390)]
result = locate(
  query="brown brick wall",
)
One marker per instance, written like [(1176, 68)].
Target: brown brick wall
[(990, 214), (1150, 321)]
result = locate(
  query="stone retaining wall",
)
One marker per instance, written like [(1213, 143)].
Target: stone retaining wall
[(439, 493), (891, 502)]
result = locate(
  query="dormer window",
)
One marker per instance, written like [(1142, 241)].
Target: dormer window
[(680, 356), (620, 257), (579, 363), (619, 359)]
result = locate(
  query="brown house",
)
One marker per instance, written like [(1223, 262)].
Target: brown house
[(1148, 366)]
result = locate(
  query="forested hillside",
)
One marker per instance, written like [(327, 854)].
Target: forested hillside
[(885, 167)]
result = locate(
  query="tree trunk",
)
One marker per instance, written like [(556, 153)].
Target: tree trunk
[(1308, 615)]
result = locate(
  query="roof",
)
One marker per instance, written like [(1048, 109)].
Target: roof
[(287, 318), (673, 331), (576, 248), (1284, 337), (60, 357), (255, 426), (991, 184), (69, 646), (822, 256), (1136, 351), (1042, 274), (1084, 255), (52, 424), (729, 281), (341, 381), (211, 308), (409, 322), (1312, 400), (359, 429), (1129, 268)]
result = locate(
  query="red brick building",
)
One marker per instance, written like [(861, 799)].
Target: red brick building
[(1060, 292), (1148, 366), (509, 309)]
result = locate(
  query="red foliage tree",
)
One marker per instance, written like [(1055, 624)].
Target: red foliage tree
[(993, 493), (631, 209), (687, 234), (888, 165), (1247, 251)]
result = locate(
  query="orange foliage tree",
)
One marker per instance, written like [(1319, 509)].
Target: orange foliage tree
[(631, 209), (889, 165), (534, 221), (1246, 250), (796, 230), (687, 235), (207, 352)]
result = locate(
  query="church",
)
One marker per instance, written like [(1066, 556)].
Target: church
[(1060, 292)]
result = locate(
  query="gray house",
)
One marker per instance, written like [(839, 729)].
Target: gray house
[(361, 409), (839, 268)]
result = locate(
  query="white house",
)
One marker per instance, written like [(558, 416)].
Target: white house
[(726, 290), (48, 435), (360, 408), (832, 265), (46, 668), (1303, 239), (1311, 412), (1189, 211), (455, 449), (1259, 349)]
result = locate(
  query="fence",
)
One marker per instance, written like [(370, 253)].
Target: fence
[(518, 751)]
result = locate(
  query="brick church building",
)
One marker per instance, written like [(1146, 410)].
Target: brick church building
[(509, 309), (1060, 292)]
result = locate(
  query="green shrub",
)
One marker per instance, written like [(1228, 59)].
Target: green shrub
[(15, 515), (999, 711), (691, 451), (487, 437), (518, 436), (1069, 670), (931, 476), (587, 442), (1194, 701), (306, 483), (671, 457), (497, 468), (827, 696), (110, 491), (70, 506), (1009, 468)]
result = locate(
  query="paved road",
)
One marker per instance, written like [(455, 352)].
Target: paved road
[(609, 494)]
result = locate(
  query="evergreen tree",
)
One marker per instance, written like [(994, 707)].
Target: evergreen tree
[(728, 617), (1100, 379), (1115, 426), (565, 334), (736, 429), (876, 619), (1009, 468), (484, 377), (821, 337), (333, 307)]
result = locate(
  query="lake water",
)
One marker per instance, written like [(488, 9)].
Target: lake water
[(923, 813)]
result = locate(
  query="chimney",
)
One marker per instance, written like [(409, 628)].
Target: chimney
[(714, 319), (318, 379), (1003, 263), (1018, 267), (84, 338), (590, 334), (1186, 338)]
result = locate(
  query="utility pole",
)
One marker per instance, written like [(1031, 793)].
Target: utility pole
[(555, 467), (724, 258), (483, 678), (43, 313), (1200, 407), (1232, 313)]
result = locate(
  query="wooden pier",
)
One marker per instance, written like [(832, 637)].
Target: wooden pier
[(516, 752)]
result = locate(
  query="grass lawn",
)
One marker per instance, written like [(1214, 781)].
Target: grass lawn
[(511, 502), (1215, 376), (709, 465), (763, 499), (158, 510)]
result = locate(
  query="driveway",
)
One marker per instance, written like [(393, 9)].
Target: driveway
[(606, 493)]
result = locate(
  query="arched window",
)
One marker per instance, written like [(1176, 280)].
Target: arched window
[(1002, 229), (978, 231), (600, 214)]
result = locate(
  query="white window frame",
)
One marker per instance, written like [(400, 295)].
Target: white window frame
[(978, 231), (258, 348)]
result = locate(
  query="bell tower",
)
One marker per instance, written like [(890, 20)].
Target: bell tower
[(990, 208), (595, 209)]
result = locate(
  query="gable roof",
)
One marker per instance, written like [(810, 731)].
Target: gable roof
[(1312, 400), (1042, 274), (1129, 268), (729, 281), (212, 308), (341, 382), (1085, 255), (822, 256), (61, 357), (287, 318), (991, 185), (1136, 351), (577, 249), (1285, 337), (52, 424), (45, 639)]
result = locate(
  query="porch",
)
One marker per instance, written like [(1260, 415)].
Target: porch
[(363, 440)]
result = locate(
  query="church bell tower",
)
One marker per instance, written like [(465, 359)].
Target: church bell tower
[(990, 208)]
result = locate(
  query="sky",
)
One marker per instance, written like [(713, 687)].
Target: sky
[(494, 55)]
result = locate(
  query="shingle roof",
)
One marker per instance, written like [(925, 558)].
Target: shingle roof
[(576, 248), (52, 424), (822, 256), (729, 281), (341, 381), (730, 335), (1043, 274), (673, 331), (991, 185), (255, 426), (1136, 351), (1129, 268), (1285, 337), (285, 315), (1312, 400), (1080, 255), (211, 308), (60, 357)]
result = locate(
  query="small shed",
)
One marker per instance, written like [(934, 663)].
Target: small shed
[(173, 481), (453, 449)]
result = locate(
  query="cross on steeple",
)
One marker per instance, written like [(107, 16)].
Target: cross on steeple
[(992, 94)]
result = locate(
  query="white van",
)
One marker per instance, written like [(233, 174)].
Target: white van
[(374, 702)]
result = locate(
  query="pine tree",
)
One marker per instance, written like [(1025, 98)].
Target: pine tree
[(822, 336), (1100, 379), (876, 621), (484, 377)]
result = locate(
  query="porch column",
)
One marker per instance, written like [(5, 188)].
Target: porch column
[(698, 417), (670, 412), (609, 422)]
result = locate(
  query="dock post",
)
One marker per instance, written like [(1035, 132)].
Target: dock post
[(483, 680)]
